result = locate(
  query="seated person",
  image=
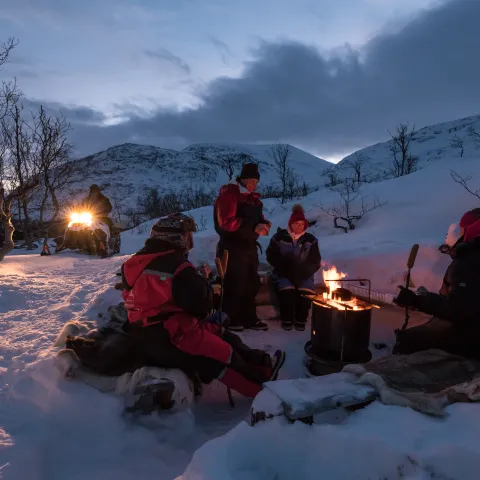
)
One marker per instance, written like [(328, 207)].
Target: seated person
[(295, 257), (455, 326), (169, 305)]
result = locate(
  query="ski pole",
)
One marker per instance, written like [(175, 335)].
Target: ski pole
[(221, 269), (410, 263)]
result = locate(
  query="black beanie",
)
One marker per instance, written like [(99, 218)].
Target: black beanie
[(250, 170)]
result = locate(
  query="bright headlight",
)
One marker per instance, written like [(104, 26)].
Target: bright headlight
[(86, 217), (82, 218)]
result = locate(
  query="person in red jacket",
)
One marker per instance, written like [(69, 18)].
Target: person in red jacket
[(170, 307), (239, 221)]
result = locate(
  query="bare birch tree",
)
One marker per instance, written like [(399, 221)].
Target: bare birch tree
[(280, 154), (404, 162)]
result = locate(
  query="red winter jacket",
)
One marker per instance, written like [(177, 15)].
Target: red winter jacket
[(160, 285), (236, 214)]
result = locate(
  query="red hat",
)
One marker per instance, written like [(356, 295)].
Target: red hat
[(298, 215), (470, 217), (470, 223)]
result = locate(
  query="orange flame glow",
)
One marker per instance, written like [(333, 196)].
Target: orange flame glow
[(332, 274)]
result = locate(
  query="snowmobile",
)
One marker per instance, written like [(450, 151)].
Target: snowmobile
[(92, 235)]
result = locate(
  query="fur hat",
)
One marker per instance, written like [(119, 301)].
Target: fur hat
[(249, 170), (173, 229), (298, 215)]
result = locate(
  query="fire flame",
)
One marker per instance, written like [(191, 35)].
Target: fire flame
[(332, 274)]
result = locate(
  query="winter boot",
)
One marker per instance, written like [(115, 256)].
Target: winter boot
[(302, 309), (286, 302), (67, 363), (150, 395)]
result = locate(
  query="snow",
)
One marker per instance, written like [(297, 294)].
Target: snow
[(56, 429), (377, 442), (430, 144), (126, 171), (420, 208)]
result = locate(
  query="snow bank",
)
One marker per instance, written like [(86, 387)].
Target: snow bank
[(420, 208), (378, 442)]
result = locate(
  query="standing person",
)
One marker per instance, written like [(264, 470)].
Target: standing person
[(239, 221), (295, 257)]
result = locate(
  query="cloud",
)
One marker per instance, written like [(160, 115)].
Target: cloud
[(165, 55), (424, 72), (222, 48)]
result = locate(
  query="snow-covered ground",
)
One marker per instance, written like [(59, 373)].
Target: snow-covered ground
[(54, 429)]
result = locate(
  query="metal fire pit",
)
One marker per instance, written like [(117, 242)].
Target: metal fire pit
[(339, 335)]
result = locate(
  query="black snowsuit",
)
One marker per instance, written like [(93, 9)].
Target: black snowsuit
[(236, 215), (100, 206), (294, 265), (455, 327)]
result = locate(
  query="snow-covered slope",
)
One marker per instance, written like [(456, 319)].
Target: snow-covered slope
[(51, 428), (418, 208), (429, 144), (125, 171)]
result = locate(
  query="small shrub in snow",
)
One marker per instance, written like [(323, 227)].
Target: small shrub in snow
[(353, 206), (457, 143)]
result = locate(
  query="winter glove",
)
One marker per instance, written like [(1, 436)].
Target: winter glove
[(406, 298)]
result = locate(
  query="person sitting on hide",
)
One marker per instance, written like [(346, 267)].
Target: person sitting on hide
[(169, 306), (455, 326), (295, 257)]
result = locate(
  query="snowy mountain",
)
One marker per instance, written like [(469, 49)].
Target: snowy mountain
[(126, 171), (451, 140)]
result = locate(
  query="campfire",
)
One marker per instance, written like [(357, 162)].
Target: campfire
[(336, 296), (340, 325)]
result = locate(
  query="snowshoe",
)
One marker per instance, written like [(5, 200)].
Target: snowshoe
[(149, 396)]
